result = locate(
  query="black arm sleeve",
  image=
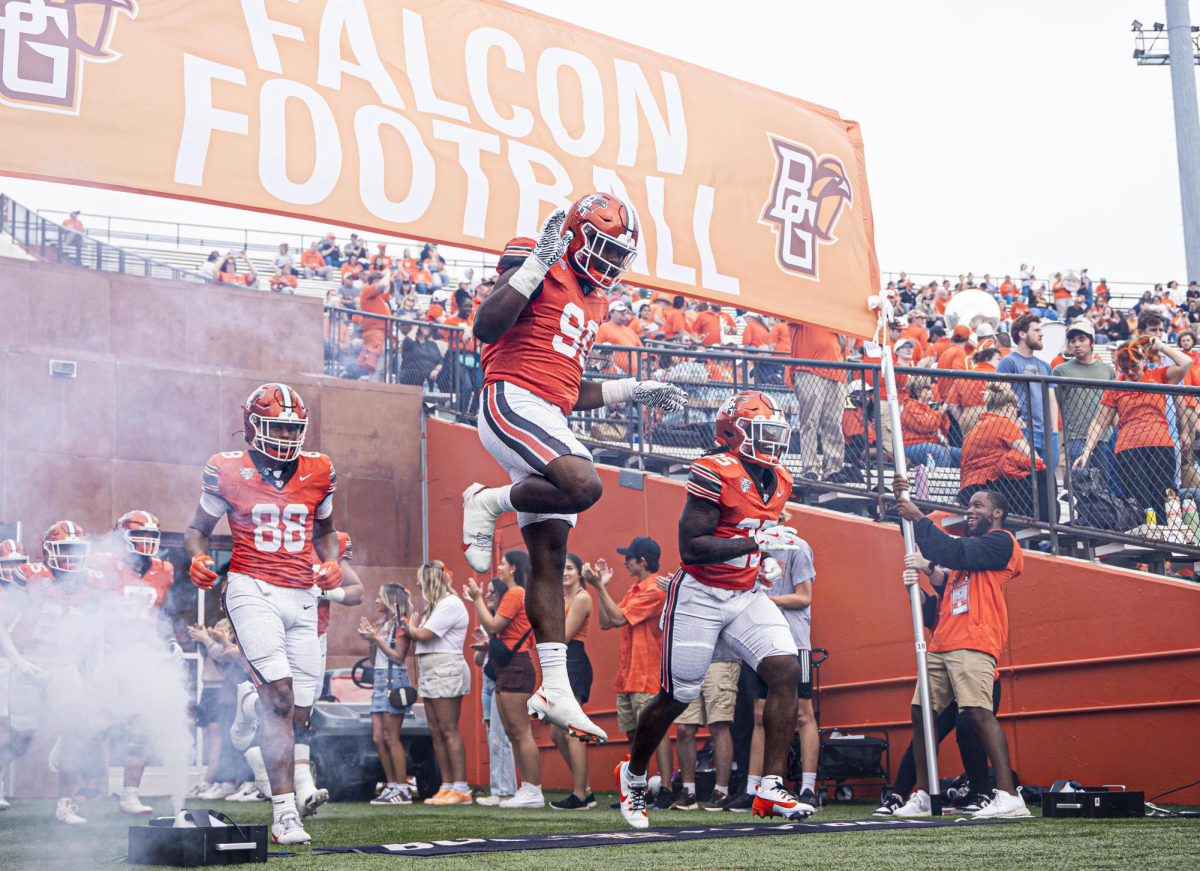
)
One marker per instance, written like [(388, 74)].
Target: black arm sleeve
[(983, 553)]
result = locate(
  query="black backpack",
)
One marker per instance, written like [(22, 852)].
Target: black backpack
[(1097, 506)]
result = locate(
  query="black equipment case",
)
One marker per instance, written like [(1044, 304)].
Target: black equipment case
[(160, 843), (1094, 802)]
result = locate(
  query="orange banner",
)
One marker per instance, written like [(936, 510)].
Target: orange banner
[(460, 122)]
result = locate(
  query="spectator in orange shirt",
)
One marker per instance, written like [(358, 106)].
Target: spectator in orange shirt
[(617, 331), (955, 356), (755, 335), (422, 278), (781, 337), (1145, 451), (822, 396), (408, 265), (916, 330), (73, 223), (381, 251), (996, 454), (926, 428), (674, 326), (708, 325), (965, 399), (636, 616), (313, 263), (353, 266), (372, 301), (229, 274), (284, 281)]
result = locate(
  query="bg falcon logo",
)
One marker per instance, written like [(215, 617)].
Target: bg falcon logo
[(807, 197), (43, 44)]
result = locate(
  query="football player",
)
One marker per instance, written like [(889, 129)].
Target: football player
[(243, 732), (735, 496), (12, 557), (279, 500), (538, 327), (136, 575), (49, 636)]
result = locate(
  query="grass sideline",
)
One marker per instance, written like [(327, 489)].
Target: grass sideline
[(30, 839)]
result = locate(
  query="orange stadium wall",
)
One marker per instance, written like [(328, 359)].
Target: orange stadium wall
[(163, 368), (1101, 679)]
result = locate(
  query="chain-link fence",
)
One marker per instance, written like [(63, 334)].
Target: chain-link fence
[(1092, 468)]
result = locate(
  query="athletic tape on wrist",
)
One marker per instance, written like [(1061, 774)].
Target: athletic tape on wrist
[(618, 392), (526, 279)]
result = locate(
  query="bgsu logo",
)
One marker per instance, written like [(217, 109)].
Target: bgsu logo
[(43, 44), (806, 200)]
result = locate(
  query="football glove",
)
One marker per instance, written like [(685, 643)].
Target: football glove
[(656, 394), (329, 575), (769, 571), (337, 594), (201, 571), (551, 245), (778, 538)]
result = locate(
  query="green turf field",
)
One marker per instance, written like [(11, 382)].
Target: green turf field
[(30, 839)]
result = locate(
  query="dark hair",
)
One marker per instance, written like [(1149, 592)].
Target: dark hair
[(519, 560), (461, 295), (574, 560), (678, 302), (1150, 319), (1021, 326), (498, 590), (998, 501)]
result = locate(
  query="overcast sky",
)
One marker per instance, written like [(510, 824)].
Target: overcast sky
[(996, 132)]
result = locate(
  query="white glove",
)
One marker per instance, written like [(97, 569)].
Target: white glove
[(174, 650), (337, 594), (29, 669), (914, 560), (656, 394), (769, 571), (778, 538), (911, 576), (550, 248)]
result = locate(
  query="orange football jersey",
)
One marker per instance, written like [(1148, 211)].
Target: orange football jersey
[(345, 552), (271, 520), (50, 608), (724, 481), (119, 574), (545, 350)]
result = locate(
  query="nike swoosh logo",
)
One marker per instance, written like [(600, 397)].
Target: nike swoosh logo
[(306, 607), (306, 477)]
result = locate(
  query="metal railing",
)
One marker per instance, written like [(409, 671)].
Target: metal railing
[(840, 424), (50, 241)]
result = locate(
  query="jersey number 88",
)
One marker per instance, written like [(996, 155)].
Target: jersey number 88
[(270, 534)]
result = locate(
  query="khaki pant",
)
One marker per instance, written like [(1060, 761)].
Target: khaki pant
[(965, 675), (819, 411)]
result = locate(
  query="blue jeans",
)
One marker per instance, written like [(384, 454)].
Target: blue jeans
[(502, 771), (942, 455), (1102, 457)]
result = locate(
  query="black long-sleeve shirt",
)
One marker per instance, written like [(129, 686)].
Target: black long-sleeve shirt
[(989, 552)]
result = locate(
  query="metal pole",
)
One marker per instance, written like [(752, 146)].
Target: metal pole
[(424, 484), (1187, 127), (910, 546)]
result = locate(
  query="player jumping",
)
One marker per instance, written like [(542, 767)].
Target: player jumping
[(280, 506), (538, 327), (735, 496)]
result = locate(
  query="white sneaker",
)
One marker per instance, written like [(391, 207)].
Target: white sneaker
[(491, 800), (393, 795), (561, 708), (66, 812), (1003, 806), (246, 792), (916, 806), (131, 802), (4, 805), (632, 799), (218, 791), (313, 800), (479, 527), (289, 830), (528, 796), (199, 789), (774, 800)]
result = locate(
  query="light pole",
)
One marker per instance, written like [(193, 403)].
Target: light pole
[(1181, 57)]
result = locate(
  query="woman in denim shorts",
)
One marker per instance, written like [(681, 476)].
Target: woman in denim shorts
[(391, 644)]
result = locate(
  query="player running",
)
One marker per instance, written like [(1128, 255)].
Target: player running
[(280, 506), (735, 496), (538, 327)]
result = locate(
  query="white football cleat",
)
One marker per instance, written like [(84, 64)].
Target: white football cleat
[(218, 791), (774, 800), (632, 798), (311, 801), (246, 792), (66, 812), (289, 830), (1003, 806), (479, 527), (4, 805), (131, 802), (561, 708), (917, 806)]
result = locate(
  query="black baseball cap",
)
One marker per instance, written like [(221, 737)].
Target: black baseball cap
[(642, 547)]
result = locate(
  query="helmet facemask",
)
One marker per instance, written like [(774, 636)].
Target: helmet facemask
[(66, 555), (278, 438), (765, 440), (8, 568), (143, 542), (603, 258)]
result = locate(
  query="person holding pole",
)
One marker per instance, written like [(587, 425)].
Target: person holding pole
[(970, 575)]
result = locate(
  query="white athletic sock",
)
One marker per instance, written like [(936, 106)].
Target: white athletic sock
[(689, 788), (808, 780), (752, 782), (446, 786), (393, 785), (721, 789), (254, 759), (302, 773), (461, 786), (283, 804), (498, 498), (553, 658)]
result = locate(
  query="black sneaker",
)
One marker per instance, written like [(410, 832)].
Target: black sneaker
[(891, 802), (972, 802), (615, 806), (571, 803), (808, 797), (590, 801), (740, 803), (665, 799), (716, 801), (685, 802)]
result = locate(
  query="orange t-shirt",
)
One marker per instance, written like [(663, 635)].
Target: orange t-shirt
[(920, 335), (74, 224), (674, 323), (781, 337), (581, 635), (816, 343), (968, 392), (755, 334), (922, 424), (512, 606), (987, 448), (374, 300), (616, 334), (1141, 417), (638, 666), (708, 328), (289, 280), (973, 614), (422, 276), (311, 259), (954, 357)]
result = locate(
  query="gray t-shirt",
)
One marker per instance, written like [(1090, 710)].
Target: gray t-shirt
[(1080, 404), (797, 568)]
